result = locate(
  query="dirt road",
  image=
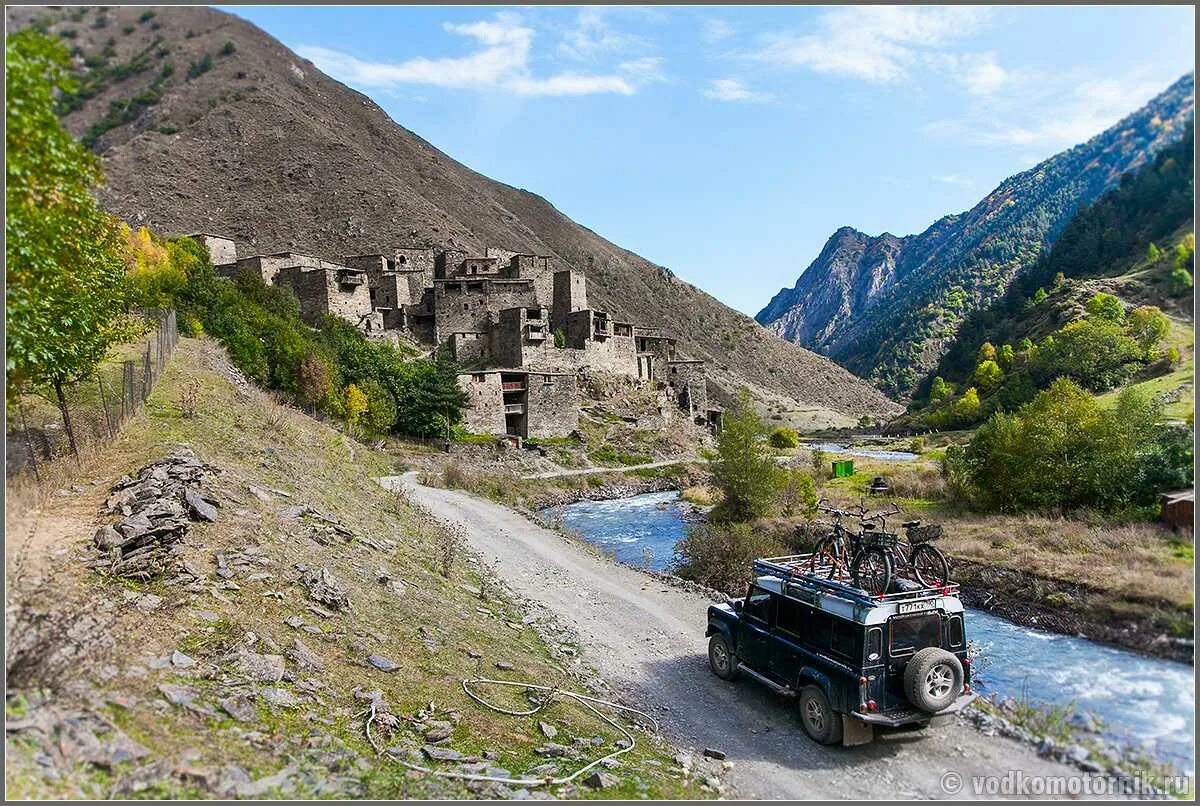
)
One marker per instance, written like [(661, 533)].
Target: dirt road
[(647, 641)]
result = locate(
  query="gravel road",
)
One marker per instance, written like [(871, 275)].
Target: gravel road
[(646, 639)]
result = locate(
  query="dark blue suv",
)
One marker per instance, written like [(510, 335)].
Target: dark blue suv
[(854, 660)]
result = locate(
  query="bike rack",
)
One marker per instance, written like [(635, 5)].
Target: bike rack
[(793, 569)]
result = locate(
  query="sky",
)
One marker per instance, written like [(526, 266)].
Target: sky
[(728, 143)]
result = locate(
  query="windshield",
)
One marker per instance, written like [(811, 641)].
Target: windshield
[(915, 632)]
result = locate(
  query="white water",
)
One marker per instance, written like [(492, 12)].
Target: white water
[(1141, 701)]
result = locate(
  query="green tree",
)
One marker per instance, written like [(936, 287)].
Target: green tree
[(67, 291), (939, 389), (1039, 296), (1106, 307), (355, 404), (1179, 283), (1007, 355), (380, 415), (967, 407), (798, 494), (1153, 254), (1063, 450), (314, 381), (745, 469), (1094, 352), (988, 375), (1148, 325), (987, 352), (784, 437)]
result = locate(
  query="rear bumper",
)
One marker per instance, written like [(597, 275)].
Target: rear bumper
[(895, 717)]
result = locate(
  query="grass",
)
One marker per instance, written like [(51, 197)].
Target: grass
[(427, 631)]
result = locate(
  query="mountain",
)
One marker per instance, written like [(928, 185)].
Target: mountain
[(206, 123), (886, 307)]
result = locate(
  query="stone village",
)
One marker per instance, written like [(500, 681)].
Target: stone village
[(519, 327)]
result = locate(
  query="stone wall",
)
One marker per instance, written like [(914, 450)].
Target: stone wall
[(520, 336), (539, 269), (221, 251), (686, 378), (484, 413), (469, 305), (340, 291), (468, 348), (552, 409), (447, 262), (569, 295)]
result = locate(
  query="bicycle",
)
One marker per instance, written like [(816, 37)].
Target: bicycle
[(835, 552), (882, 553)]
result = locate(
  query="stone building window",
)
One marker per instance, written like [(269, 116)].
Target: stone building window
[(403, 260)]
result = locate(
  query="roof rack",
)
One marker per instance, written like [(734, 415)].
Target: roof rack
[(793, 569)]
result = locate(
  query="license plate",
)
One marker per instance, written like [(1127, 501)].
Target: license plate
[(916, 607)]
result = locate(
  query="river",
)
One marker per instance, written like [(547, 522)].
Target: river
[(1141, 701)]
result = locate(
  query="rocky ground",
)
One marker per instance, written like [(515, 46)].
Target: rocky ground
[(225, 603)]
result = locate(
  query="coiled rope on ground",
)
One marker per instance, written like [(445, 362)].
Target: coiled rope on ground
[(551, 692)]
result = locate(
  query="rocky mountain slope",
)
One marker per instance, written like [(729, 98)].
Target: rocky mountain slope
[(887, 307), (206, 123)]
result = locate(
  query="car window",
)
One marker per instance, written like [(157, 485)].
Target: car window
[(874, 644), (845, 639), (913, 633), (956, 631), (792, 617), (758, 604)]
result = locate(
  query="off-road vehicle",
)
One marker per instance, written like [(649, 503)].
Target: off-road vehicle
[(854, 660)]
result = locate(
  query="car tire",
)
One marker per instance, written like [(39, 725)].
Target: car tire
[(933, 679), (822, 724), (721, 659)]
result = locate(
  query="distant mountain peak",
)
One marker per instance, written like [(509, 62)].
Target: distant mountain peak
[(886, 307)]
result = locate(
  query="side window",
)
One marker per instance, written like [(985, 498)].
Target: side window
[(792, 617), (874, 644), (820, 630), (845, 639), (956, 631), (758, 605)]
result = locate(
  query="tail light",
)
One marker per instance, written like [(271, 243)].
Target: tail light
[(966, 662), (862, 681), (967, 688), (870, 705)]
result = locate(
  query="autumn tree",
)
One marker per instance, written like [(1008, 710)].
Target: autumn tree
[(67, 292)]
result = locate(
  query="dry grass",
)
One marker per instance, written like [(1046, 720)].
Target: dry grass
[(426, 628)]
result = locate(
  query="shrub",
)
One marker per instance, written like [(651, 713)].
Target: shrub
[(798, 495), (355, 402), (314, 380), (199, 67), (784, 437), (1180, 282), (1094, 352), (1107, 307), (744, 470), (721, 556), (380, 415), (228, 48), (1063, 451), (1148, 325)]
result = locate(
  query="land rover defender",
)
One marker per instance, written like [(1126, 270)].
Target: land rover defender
[(854, 660)]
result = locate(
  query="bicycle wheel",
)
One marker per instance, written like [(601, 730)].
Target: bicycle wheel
[(872, 571), (824, 560), (930, 566)]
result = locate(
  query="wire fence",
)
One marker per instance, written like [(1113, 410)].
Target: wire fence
[(41, 429)]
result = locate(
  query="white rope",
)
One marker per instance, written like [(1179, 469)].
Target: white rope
[(586, 701)]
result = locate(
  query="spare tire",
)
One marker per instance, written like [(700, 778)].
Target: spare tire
[(933, 679)]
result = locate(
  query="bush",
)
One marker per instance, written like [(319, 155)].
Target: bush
[(798, 495), (199, 67), (1095, 352), (784, 437), (228, 48), (721, 556), (1063, 451), (744, 470)]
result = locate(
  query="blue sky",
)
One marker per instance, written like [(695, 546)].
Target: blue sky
[(727, 143)]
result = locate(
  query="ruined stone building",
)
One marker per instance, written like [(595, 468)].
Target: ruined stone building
[(519, 326)]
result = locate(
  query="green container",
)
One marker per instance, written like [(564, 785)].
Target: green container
[(843, 468)]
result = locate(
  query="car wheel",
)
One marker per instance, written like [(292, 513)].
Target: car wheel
[(933, 679), (721, 658), (822, 724)]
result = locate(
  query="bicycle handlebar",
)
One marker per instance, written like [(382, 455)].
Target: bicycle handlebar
[(879, 516), (845, 513)]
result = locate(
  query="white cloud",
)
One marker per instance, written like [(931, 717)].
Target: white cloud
[(1063, 112), (730, 89), (878, 43), (715, 30), (593, 36), (958, 180), (502, 61), (984, 76)]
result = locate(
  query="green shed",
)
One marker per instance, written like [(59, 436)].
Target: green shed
[(843, 468)]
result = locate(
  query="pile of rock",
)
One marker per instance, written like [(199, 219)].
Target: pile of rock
[(157, 508)]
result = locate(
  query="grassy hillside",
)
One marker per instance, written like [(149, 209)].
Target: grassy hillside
[(90, 712)]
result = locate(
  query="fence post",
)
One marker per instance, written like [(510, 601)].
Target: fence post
[(29, 444), (146, 376), (104, 403)]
